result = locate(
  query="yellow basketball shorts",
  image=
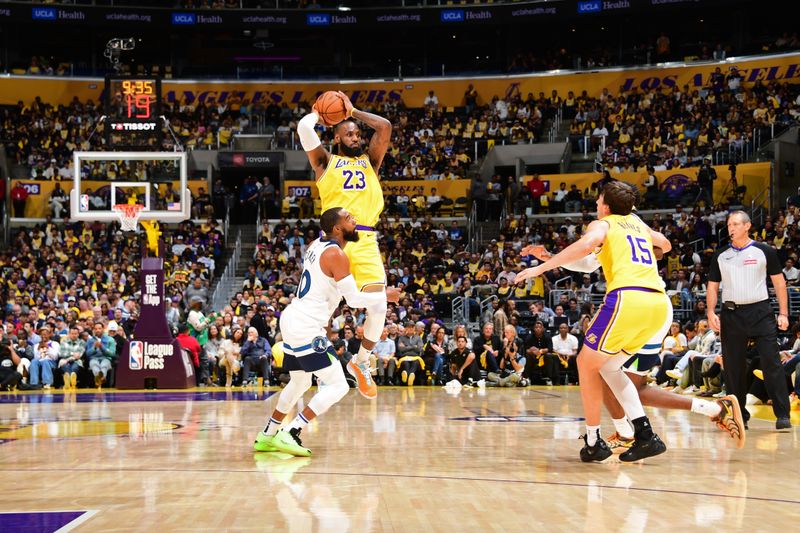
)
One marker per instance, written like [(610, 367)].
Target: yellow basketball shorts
[(366, 264), (628, 319)]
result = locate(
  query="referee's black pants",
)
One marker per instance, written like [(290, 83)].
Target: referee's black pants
[(753, 321)]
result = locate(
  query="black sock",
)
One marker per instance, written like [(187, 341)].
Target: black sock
[(642, 429)]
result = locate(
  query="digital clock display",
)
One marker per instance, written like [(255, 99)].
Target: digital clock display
[(133, 108), (139, 97)]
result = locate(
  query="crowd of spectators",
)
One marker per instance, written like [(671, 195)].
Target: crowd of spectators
[(56, 278), (529, 334), (672, 127)]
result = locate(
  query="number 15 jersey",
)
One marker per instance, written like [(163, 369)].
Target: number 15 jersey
[(351, 183), (627, 254)]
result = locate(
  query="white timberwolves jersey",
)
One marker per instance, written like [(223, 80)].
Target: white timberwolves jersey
[(317, 295)]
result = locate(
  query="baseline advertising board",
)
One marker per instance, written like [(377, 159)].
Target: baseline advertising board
[(782, 67)]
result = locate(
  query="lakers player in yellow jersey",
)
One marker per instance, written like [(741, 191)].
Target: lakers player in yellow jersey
[(634, 310), (349, 180)]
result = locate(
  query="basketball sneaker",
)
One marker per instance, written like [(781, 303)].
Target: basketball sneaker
[(675, 374), (363, 374), (597, 453), (289, 442), (759, 374), (618, 443), (642, 449), (730, 419), (263, 443)]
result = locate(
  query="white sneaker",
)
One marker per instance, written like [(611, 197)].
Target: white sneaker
[(677, 390), (753, 400), (689, 390), (675, 374), (720, 394)]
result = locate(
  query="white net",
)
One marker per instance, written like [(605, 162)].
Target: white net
[(128, 215)]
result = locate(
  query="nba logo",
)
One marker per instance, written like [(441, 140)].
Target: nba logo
[(135, 351), (84, 202)]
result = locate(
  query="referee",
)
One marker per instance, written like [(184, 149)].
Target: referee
[(742, 267)]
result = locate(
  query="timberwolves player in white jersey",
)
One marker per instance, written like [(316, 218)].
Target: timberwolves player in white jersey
[(325, 280)]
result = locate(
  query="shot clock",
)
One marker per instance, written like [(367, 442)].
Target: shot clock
[(133, 111)]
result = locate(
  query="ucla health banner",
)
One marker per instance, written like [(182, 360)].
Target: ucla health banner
[(783, 67)]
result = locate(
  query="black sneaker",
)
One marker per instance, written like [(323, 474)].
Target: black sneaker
[(782, 424), (642, 449), (597, 453), (295, 433)]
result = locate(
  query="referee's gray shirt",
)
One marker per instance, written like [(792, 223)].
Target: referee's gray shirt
[(742, 272)]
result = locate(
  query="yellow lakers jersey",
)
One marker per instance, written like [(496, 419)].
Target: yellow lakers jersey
[(627, 254), (351, 183)]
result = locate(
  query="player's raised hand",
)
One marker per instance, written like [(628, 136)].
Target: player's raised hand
[(348, 105), (528, 273), (392, 294), (536, 250)]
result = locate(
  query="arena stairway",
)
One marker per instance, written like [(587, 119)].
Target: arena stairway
[(248, 237)]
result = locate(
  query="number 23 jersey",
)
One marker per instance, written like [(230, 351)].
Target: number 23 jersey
[(351, 183), (627, 254)]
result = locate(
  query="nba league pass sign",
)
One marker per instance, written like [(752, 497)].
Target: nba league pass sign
[(152, 353)]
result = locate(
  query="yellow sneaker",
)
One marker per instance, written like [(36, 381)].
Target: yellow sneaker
[(363, 375), (619, 444), (759, 374)]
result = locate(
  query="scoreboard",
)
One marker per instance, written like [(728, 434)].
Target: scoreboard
[(133, 113)]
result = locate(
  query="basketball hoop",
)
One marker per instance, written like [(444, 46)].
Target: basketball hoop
[(128, 215)]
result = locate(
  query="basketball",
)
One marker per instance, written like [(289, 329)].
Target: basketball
[(331, 108)]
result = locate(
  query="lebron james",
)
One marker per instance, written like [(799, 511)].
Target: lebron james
[(349, 179)]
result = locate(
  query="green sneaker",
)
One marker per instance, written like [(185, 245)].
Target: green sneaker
[(289, 442), (263, 443)]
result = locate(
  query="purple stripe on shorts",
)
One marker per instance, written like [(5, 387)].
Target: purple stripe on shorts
[(602, 320)]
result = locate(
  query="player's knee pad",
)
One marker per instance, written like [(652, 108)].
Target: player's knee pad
[(376, 319), (294, 390), (333, 388)]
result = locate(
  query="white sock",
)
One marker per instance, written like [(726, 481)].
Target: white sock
[(272, 427), (362, 355), (591, 434), (704, 407), (623, 427), (299, 422)]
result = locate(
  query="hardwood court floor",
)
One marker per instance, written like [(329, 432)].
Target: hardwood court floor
[(413, 460)]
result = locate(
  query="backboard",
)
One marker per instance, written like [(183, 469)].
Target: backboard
[(156, 180)]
